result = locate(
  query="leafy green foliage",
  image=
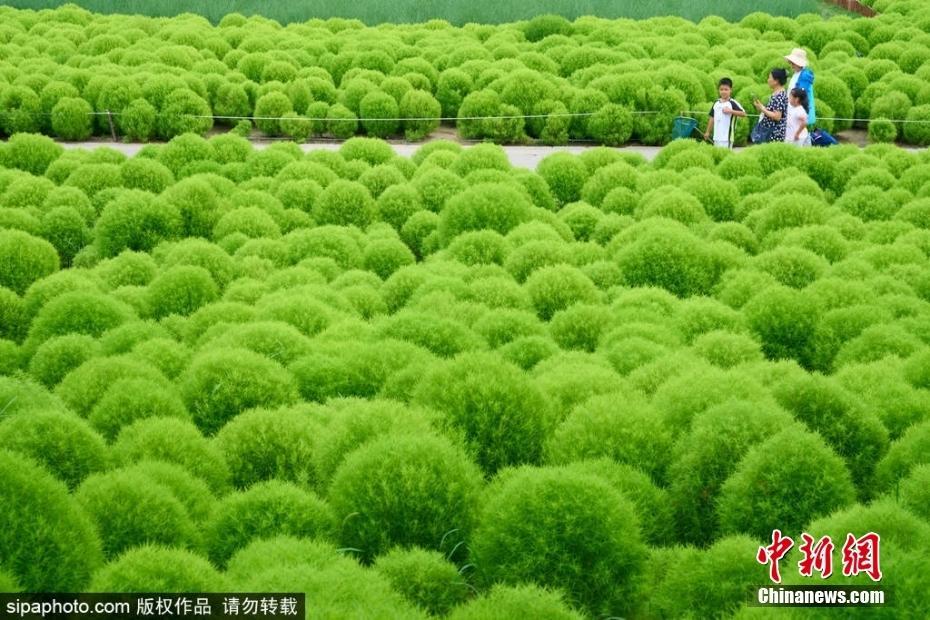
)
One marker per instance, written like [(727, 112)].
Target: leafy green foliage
[(53, 558)]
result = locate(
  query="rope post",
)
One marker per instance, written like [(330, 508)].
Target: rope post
[(112, 126)]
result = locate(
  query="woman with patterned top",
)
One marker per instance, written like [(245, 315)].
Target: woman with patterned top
[(774, 115)]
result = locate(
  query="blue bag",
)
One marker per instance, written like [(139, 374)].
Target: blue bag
[(819, 137)]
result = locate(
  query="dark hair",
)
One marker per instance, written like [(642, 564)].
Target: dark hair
[(780, 76), (801, 96), (725, 82)]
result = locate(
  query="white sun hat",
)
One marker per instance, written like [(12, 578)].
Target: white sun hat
[(798, 57)]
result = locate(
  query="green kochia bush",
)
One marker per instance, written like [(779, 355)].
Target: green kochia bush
[(659, 252), (344, 203), (156, 568), (64, 443), (704, 458), (503, 602), (71, 119), (220, 384), (265, 509), (784, 320), (129, 508), (353, 422), (128, 400), (559, 287), (265, 444), (47, 542), (425, 578), (427, 495), (485, 206), (181, 290), (173, 441), (558, 520), (803, 477), (24, 259), (503, 417), (619, 426)]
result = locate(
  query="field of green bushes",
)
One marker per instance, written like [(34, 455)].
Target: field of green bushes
[(546, 79), (374, 12), (442, 386)]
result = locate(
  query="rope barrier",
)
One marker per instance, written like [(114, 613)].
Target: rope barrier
[(460, 118)]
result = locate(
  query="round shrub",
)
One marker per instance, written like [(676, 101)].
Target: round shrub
[(914, 491), (503, 417), (352, 422), (784, 320), (263, 510), (71, 119), (13, 319), (130, 509), (268, 109), (611, 125), (660, 253), (916, 130), (220, 384), (173, 441), (480, 247), (24, 259), (486, 206), (341, 122), (443, 337), (729, 564), (137, 120), (155, 568), (503, 602), (904, 454), (47, 559), (66, 230), (428, 496), (725, 349), (134, 220), (184, 111), (31, 153), (379, 114), (266, 444), (20, 110), (559, 287), (882, 130), (565, 174), (803, 477), (421, 112), (344, 203), (618, 426), (79, 313), (557, 517), (269, 553), (56, 357), (181, 290), (64, 443), (397, 203), (338, 590), (146, 174), (190, 490), (128, 400), (384, 257), (425, 578), (651, 502)]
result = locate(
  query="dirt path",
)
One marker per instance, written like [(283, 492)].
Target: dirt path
[(520, 156)]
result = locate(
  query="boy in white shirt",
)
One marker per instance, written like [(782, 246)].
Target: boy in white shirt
[(721, 123)]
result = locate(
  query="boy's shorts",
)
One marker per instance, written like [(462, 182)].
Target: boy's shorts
[(725, 144)]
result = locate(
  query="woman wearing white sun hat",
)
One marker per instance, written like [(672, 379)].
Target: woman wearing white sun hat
[(802, 78)]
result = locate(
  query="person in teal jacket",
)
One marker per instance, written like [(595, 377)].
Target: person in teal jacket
[(802, 78)]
